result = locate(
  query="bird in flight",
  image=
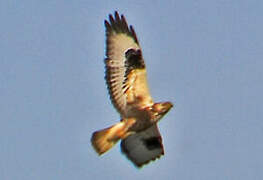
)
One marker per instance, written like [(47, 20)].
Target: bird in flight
[(127, 84)]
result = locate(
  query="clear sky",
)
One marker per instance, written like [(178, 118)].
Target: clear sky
[(205, 56)]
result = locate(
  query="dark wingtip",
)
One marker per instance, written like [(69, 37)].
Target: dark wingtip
[(133, 33), (111, 19), (116, 14), (119, 24), (108, 26)]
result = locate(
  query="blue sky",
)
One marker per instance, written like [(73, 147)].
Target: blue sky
[(204, 56)]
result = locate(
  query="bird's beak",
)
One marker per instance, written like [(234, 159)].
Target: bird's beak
[(166, 107)]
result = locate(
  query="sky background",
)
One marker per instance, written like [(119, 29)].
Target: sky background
[(205, 56)]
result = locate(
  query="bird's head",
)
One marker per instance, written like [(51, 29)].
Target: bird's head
[(160, 109)]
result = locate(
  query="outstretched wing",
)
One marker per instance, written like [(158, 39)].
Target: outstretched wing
[(144, 146), (125, 68)]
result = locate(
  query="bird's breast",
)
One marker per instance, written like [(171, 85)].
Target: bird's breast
[(143, 119)]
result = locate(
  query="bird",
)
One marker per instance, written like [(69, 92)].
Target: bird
[(126, 79)]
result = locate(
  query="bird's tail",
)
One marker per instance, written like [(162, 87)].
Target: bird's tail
[(105, 139)]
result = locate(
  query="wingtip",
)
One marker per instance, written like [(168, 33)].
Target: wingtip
[(143, 164), (116, 14), (107, 25), (118, 23), (140, 166)]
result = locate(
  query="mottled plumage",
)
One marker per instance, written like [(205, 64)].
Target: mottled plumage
[(128, 88)]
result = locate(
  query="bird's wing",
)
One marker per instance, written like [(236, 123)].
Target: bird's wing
[(144, 146), (125, 67)]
